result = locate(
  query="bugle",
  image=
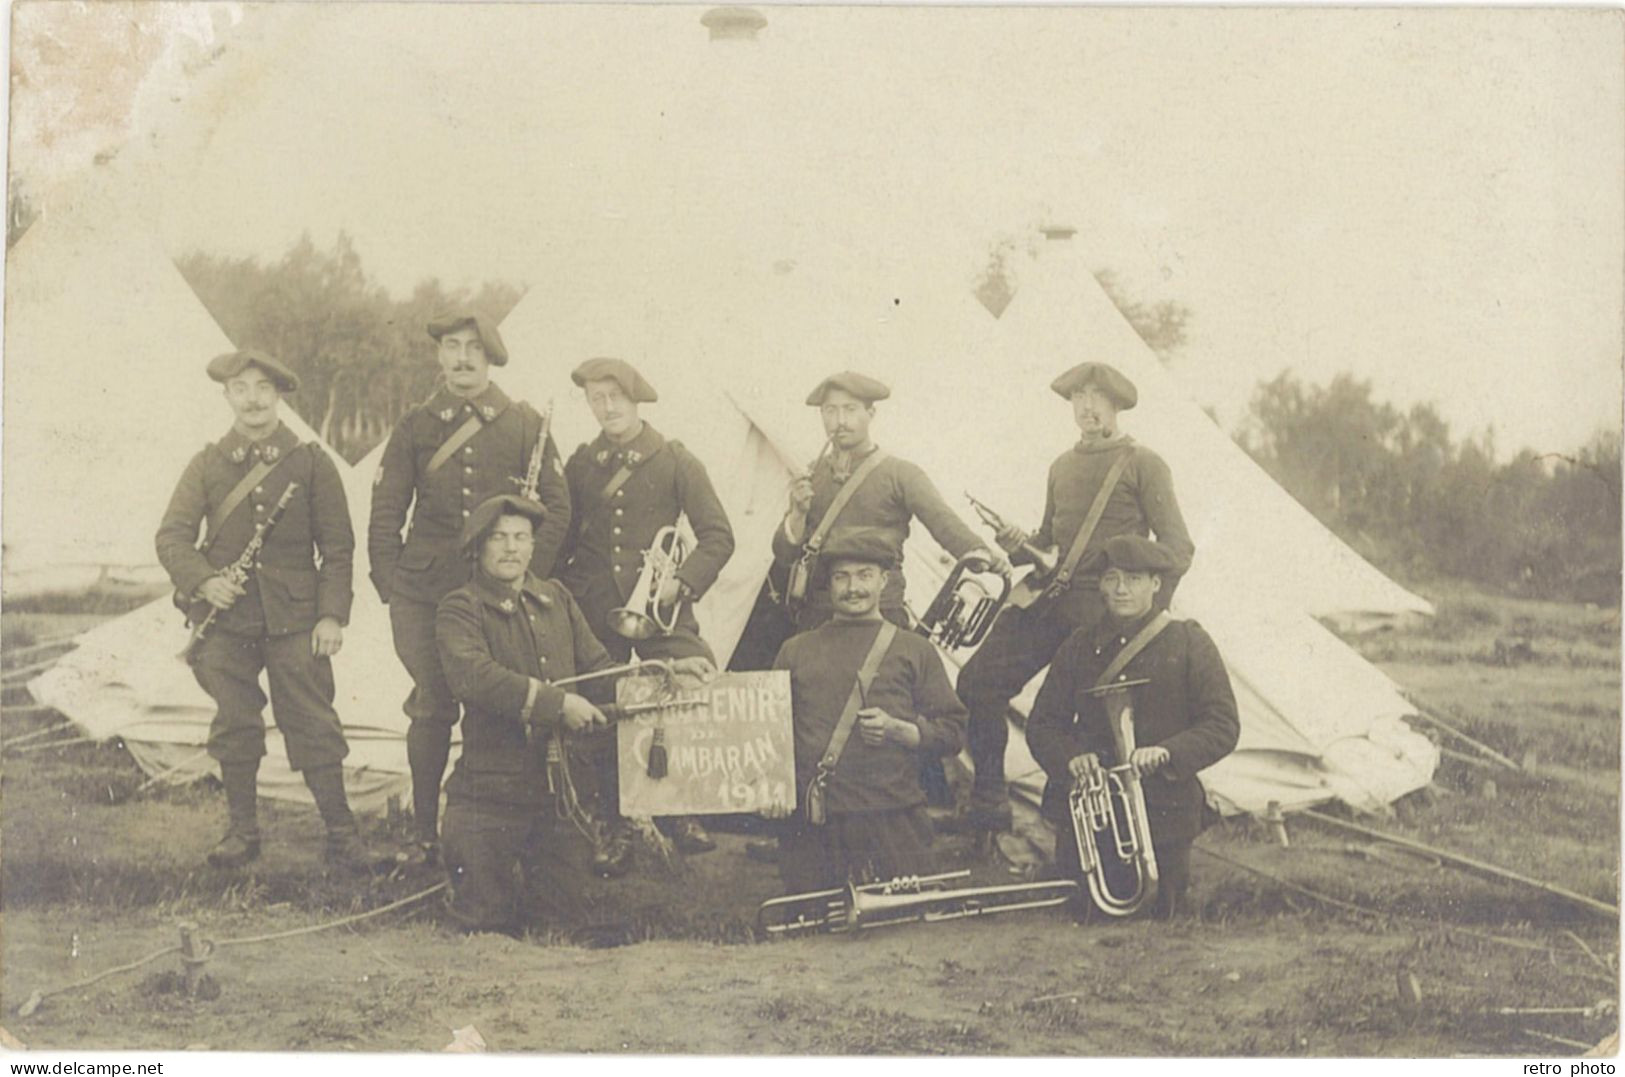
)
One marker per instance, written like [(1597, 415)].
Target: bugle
[(1033, 586), (905, 900)]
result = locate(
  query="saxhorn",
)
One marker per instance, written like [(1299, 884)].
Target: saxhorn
[(1110, 822)]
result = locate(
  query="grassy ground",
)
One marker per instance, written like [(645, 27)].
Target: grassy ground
[(93, 874)]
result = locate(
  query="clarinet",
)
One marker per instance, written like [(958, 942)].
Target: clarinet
[(530, 485), (239, 571)]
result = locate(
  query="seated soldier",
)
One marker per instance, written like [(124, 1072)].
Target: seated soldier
[(870, 701), (502, 637), (1184, 717)]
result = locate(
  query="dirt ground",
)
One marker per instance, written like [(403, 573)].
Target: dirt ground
[(665, 961)]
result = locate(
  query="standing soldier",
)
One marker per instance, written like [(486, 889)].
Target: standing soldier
[(467, 443), (1183, 713), (1105, 485), (870, 702), (503, 637), (626, 486), (283, 615), (858, 485)]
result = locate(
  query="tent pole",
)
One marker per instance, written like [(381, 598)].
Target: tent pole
[(1467, 863)]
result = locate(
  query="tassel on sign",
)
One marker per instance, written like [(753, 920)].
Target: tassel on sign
[(657, 753)]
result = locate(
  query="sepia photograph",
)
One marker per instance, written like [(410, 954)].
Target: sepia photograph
[(980, 531)]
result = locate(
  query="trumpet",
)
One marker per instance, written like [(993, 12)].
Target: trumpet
[(965, 607), (1109, 810), (904, 900), (642, 617), (1036, 583)]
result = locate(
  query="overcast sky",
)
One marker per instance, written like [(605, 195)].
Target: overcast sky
[(1429, 199)]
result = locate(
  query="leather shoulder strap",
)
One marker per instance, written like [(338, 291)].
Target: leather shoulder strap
[(239, 493), (860, 691), (1142, 639), (842, 496), (616, 481), (458, 439), (1097, 509)]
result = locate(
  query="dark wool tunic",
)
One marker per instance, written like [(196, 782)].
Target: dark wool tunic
[(287, 592), (1188, 708), (890, 497), (910, 684), (608, 536), (427, 564), (492, 641)]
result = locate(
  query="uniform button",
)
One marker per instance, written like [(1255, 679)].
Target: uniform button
[(618, 568), (544, 660), (468, 450), (620, 512), (617, 549), (468, 471), (620, 493), (617, 531), (259, 489), (466, 491), (465, 512)]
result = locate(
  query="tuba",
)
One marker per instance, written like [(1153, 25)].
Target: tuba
[(906, 900), (965, 607), (1109, 819), (642, 618)]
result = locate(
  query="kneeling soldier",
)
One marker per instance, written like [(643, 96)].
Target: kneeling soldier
[(1184, 715), (502, 637), (286, 619), (864, 813)]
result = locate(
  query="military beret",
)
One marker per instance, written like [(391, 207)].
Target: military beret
[(861, 386), (619, 371), (868, 544), (1106, 378), (495, 350), (222, 368), (491, 509), (1131, 553)]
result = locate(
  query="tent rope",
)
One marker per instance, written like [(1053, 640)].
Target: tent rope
[(210, 945), (1365, 910)]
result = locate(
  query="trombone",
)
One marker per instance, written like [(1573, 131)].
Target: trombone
[(904, 900)]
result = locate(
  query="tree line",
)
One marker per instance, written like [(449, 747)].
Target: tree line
[(362, 357), (1416, 501)]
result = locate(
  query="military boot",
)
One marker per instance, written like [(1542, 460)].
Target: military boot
[(345, 849), (242, 840), (612, 852)]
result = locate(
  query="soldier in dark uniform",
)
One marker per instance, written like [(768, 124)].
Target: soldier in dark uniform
[(287, 619), (1184, 720), (503, 636), (1023, 641), (876, 825), (625, 485), (890, 497), (467, 443)]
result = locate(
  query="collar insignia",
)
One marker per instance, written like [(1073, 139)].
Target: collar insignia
[(489, 412), (602, 457), (633, 456), (238, 455), (448, 414), (507, 605), (269, 453)]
